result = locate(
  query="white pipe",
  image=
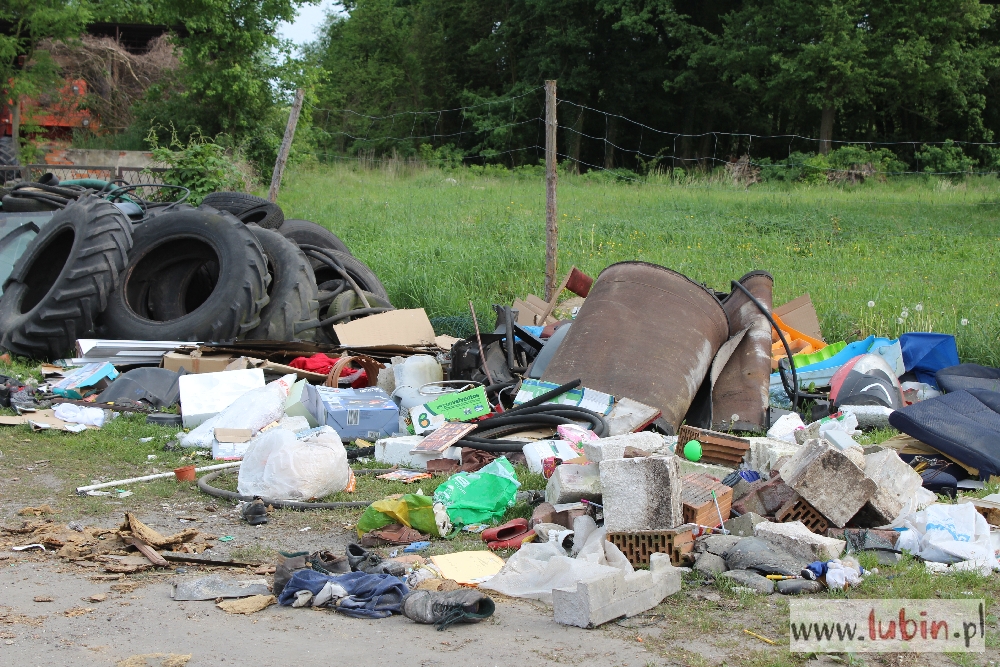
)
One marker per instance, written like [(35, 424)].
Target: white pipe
[(162, 475)]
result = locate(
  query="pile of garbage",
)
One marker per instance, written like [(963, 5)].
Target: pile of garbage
[(678, 429), (103, 261)]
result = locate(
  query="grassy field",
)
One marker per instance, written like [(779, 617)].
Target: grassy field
[(438, 239)]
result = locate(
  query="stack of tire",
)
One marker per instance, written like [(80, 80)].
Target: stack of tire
[(229, 269)]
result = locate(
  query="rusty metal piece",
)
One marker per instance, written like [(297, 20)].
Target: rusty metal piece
[(740, 394), (645, 333)]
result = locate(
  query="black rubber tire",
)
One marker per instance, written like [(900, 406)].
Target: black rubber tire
[(193, 275), (363, 276), (349, 300), (13, 204), (64, 279), (293, 313), (248, 208), (305, 232)]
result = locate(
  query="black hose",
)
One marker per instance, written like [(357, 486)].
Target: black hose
[(203, 485), (794, 393), (521, 419)]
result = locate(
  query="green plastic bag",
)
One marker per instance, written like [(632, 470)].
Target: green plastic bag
[(481, 496), (413, 510)]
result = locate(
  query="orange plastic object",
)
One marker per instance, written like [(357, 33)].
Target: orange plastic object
[(184, 474), (791, 333)]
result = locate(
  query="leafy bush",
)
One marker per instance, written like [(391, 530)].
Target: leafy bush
[(202, 165), (445, 157), (816, 169), (947, 159)]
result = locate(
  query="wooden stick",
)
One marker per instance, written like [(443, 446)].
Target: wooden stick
[(551, 179), (286, 146), (149, 552)]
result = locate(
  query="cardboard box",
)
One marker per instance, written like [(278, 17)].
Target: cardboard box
[(304, 401), (800, 315), (205, 395), (408, 327), (360, 413), (85, 381), (174, 361)]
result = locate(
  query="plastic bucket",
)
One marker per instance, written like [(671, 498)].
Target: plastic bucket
[(185, 474)]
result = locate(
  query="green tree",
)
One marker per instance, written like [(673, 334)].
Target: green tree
[(25, 69)]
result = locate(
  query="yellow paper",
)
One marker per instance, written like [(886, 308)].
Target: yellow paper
[(469, 568)]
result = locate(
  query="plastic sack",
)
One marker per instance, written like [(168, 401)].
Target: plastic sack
[(538, 568), (279, 466), (76, 414), (784, 427), (481, 496), (949, 534), (413, 510), (253, 410)]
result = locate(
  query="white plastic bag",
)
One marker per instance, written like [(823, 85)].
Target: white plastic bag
[(253, 410), (279, 466), (950, 534), (77, 414), (784, 428)]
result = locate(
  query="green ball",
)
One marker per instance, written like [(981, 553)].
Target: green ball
[(692, 450)]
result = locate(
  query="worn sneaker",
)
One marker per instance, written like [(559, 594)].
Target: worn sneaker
[(362, 560), (445, 609), (255, 513), (329, 563)]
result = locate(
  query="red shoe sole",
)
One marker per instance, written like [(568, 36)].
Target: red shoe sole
[(507, 531), (511, 543)]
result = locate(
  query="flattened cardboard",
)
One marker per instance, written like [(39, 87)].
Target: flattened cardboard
[(396, 327), (800, 315), (43, 420), (174, 361), (235, 435), (444, 437)]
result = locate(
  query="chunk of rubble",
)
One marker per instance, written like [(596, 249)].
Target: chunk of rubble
[(829, 480), (794, 538)]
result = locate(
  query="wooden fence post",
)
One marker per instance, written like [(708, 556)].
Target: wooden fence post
[(286, 146), (551, 179)]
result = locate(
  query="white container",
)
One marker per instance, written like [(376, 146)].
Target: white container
[(416, 371), (396, 451), (534, 452), (204, 395)]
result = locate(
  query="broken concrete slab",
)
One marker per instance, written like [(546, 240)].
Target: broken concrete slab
[(709, 563), (697, 467), (715, 544), (597, 601), (829, 480), (880, 510), (891, 473), (794, 538), (210, 588), (614, 447), (641, 493), (755, 553), (571, 483), (758, 583), (742, 526)]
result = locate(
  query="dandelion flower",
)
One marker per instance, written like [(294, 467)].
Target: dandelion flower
[(903, 315), (871, 304), (899, 320), (965, 321), (918, 307)]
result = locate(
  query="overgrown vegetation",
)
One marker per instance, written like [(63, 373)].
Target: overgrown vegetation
[(200, 165)]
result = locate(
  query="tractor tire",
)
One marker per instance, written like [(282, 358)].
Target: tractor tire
[(193, 275), (349, 300), (356, 269), (64, 279), (305, 232), (293, 311), (248, 208)]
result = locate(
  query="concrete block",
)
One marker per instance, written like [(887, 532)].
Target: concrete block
[(774, 494), (829, 480), (765, 452), (742, 526), (891, 473), (880, 510), (741, 489), (799, 541), (597, 601), (641, 494), (614, 447), (708, 563), (396, 451), (572, 482), (752, 580), (689, 467)]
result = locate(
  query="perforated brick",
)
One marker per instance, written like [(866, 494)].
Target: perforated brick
[(798, 509), (639, 545), (716, 447)]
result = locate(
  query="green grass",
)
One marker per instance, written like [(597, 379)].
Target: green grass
[(437, 243)]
